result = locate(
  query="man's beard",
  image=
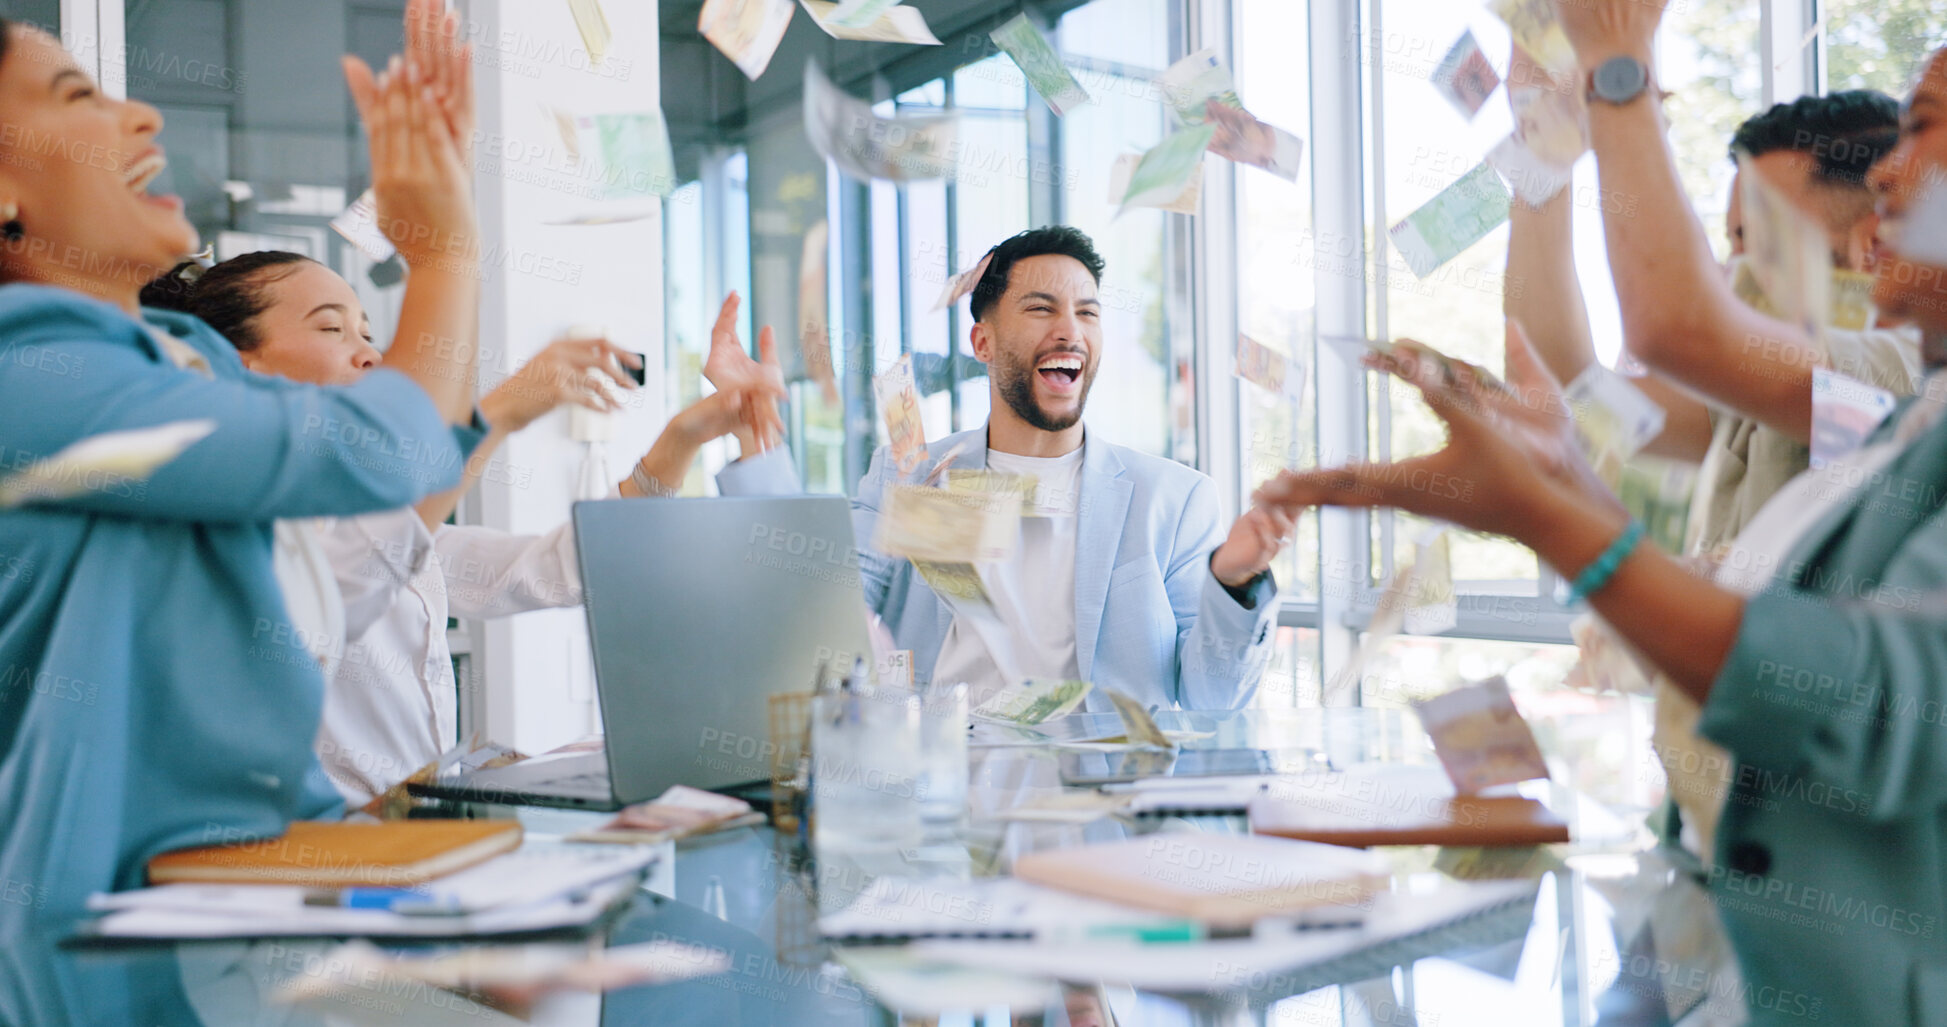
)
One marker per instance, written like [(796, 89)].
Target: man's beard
[(1016, 385)]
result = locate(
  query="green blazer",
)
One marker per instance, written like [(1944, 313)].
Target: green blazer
[(1832, 853)]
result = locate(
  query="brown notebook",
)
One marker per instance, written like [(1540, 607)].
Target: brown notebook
[(1222, 880), (396, 854), (1445, 820)]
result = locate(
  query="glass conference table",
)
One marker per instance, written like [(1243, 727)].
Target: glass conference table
[(1607, 929)]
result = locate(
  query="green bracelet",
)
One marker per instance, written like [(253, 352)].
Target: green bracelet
[(1597, 574)]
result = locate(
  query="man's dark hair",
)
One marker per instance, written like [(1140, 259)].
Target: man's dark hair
[(228, 296), (1064, 240), (1845, 132)]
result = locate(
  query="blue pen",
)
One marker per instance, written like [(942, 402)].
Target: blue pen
[(403, 901)]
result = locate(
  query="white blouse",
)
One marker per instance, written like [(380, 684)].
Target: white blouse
[(391, 706)]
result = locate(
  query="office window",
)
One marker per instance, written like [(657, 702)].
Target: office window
[(706, 257), (1142, 395), (1879, 44), (1417, 146), (1705, 58), (944, 226), (264, 146), (1277, 255)]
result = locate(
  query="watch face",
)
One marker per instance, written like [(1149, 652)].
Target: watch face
[(1619, 79)]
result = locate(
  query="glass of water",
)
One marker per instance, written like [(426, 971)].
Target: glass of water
[(943, 753), (865, 770)]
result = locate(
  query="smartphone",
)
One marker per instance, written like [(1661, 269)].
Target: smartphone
[(1087, 769), (641, 371)]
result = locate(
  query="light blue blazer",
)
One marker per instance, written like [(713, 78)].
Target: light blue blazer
[(1831, 861), (151, 694), (1150, 618)]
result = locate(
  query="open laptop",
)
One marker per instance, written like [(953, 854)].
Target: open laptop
[(699, 610)]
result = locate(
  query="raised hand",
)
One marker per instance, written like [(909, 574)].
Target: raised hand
[(1601, 29), (730, 368), (1254, 542), (433, 43), (424, 191), (567, 371), (1510, 457)]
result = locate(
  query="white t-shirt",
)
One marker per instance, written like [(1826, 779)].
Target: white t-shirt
[(1034, 593)]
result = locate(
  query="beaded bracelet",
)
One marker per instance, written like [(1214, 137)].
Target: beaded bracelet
[(1597, 574)]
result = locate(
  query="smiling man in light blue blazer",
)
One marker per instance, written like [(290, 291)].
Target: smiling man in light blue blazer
[(1124, 574)]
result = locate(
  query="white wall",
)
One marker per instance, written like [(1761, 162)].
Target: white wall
[(538, 685)]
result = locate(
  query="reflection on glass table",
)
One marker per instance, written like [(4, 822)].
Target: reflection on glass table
[(1604, 929)]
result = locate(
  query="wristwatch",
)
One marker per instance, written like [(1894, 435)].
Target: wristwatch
[(1619, 80)]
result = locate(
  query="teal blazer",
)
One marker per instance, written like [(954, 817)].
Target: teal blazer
[(1832, 855), (151, 694), (1150, 618)]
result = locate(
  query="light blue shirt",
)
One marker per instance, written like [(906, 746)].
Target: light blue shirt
[(152, 696), (1150, 618)]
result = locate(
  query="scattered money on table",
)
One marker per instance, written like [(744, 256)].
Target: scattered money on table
[(1460, 216), (746, 31), (1612, 415), (1481, 738), (1138, 726), (1039, 62), (1845, 411), (1199, 88), (844, 130), (871, 21), (593, 26), (1169, 168), (1465, 76), (1267, 368), (116, 458), (1787, 251), (679, 812), (899, 406), (358, 224), (1186, 202), (1033, 701), (1536, 29), (964, 282)]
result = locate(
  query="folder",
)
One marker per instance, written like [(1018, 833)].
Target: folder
[(395, 854), (1435, 820), (1222, 881)]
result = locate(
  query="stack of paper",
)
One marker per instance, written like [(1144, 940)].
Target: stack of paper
[(540, 886)]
